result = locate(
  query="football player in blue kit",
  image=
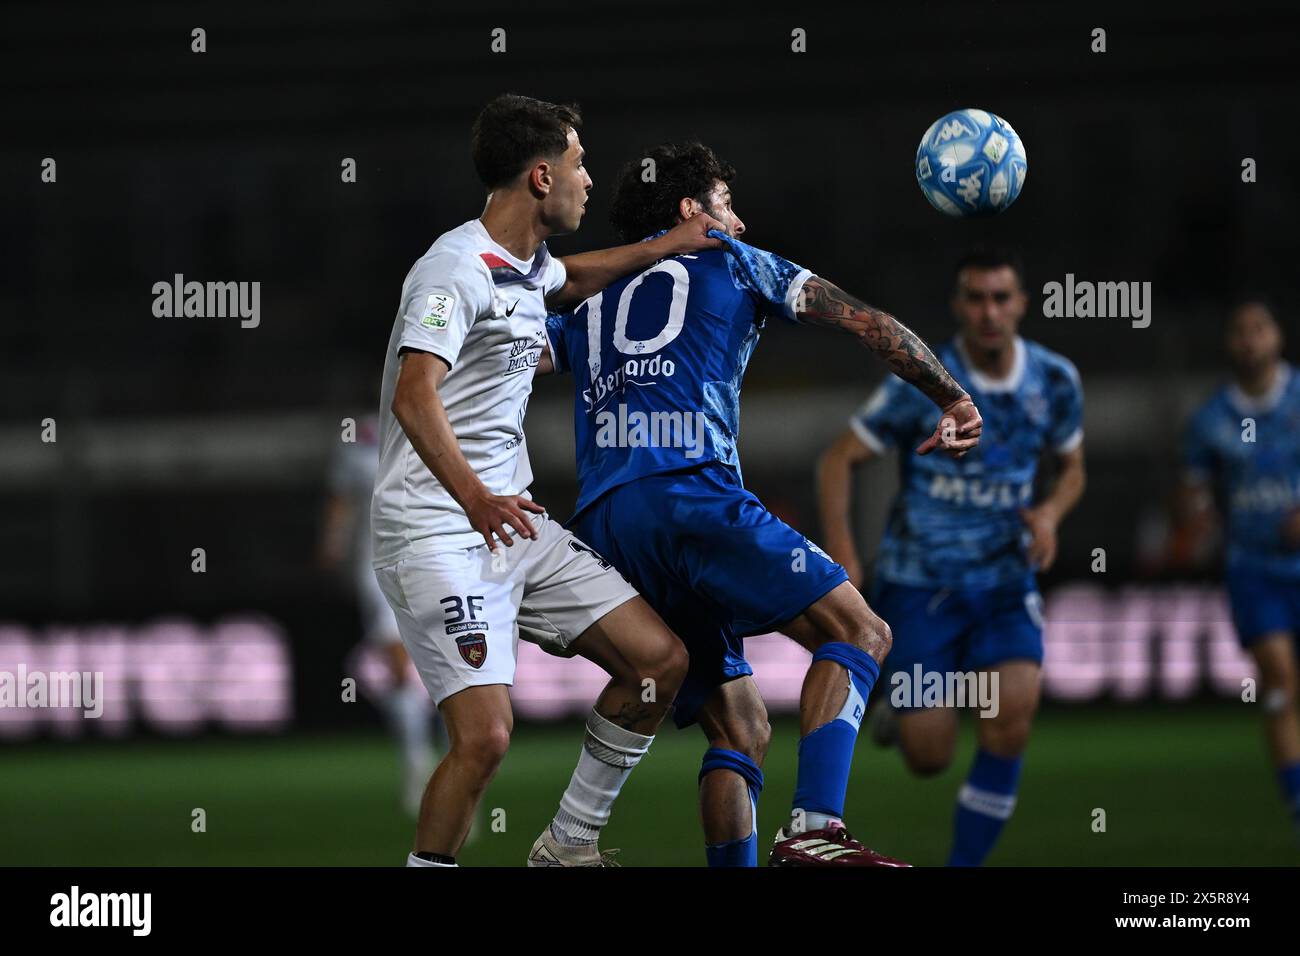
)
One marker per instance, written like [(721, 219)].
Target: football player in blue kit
[(955, 573), (1243, 452), (658, 359)]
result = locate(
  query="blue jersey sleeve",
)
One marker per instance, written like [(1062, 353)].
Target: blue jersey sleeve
[(773, 281), (1065, 394), (896, 415), (555, 333)]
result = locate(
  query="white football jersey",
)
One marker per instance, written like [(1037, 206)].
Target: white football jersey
[(472, 303)]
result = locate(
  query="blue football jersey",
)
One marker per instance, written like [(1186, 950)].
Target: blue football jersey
[(1256, 475), (658, 358), (956, 522)]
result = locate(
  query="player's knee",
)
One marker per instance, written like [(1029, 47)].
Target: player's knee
[(1009, 737), (927, 762), (873, 635), (483, 752), (747, 733), (865, 630), (669, 670), (927, 748), (754, 738), (883, 636)]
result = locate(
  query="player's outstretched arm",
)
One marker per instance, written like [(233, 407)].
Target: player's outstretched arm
[(589, 272), (419, 410), (1045, 517), (824, 303), (835, 497)]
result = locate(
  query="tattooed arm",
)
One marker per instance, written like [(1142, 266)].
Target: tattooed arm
[(826, 304)]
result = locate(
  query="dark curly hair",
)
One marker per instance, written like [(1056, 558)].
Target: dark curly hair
[(681, 171), (513, 131)]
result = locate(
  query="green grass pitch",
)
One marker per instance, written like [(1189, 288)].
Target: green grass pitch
[(1183, 785)]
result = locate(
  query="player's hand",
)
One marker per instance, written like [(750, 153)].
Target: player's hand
[(493, 514), (691, 235), (1291, 530), (1042, 536), (958, 430)]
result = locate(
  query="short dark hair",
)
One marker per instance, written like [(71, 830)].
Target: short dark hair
[(681, 171), (986, 258), (512, 131), (1252, 297)]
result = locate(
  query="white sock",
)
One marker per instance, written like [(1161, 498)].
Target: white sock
[(608, 755), (802, 821), (413, 860)]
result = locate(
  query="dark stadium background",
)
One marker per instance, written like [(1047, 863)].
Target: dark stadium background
[(224, 166)]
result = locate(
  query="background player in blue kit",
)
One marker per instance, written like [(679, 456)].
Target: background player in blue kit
[(1243, 451), (658, 360), (955, 577)]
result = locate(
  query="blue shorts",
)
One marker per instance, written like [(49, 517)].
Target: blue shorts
[(957, 630), (1263, 603), (715, 564)]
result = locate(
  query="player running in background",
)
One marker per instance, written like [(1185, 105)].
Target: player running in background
[(453, 486), (345, 546), (955, 575), (658, 360), (1243, 452)]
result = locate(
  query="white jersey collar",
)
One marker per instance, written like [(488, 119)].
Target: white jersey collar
[(1260, 404), (985, 383), (523, 265)]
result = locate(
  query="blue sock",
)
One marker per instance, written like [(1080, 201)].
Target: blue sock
[(826, 753), (983, 807), (744, 851), (1289, 778)]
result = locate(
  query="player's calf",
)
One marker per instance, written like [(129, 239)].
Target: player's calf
[(1275, 657), (987, 799), (848, 642), (645, 661), (734, 720), (647, 664), (479, 724), (643, 686)]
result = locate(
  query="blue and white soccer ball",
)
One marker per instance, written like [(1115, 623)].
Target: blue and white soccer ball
[(971, 163)]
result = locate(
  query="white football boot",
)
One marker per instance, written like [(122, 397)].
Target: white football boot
[(548, 851)]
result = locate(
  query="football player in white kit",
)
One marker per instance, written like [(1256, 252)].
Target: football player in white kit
[(345, 548), (467, 560)]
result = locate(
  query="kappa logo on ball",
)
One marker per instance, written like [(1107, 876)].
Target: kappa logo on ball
[(473, 649)]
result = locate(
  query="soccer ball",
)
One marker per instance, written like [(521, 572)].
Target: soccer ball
[(971, 163)]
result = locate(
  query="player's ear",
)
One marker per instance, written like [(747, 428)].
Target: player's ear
[(540, 179), (688, 208), (1021, 299)]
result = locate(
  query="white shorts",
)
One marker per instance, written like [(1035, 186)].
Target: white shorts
[(461, 614)]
